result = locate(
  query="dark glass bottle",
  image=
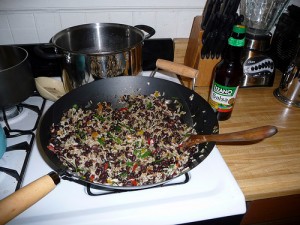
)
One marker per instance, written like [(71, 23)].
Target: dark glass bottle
[(227, 75)]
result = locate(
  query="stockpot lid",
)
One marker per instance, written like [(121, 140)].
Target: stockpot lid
[(98, 38)]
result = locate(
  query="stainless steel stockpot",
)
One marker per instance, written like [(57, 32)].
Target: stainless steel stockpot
[(100, 50)]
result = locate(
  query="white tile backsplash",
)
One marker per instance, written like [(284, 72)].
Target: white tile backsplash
[(124, 17), (23, 28), (4, 22), (34, 21), (25, 35), (47, 24), (97, 16), (167, 23), (99, 4), (5, 32), (6, 37), (185, 21), (145, 17), (69, 19), (21, 21), (37, 22)]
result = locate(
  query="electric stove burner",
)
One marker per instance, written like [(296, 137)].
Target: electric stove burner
[(10, 112)]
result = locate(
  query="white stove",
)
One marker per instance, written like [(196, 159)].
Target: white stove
[(211, 192)]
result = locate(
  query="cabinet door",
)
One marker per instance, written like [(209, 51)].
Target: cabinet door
[(276, 211)]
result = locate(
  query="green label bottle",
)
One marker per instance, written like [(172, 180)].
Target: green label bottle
[(227, 75)]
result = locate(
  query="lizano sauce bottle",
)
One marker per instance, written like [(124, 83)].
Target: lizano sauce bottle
[(227, 75)]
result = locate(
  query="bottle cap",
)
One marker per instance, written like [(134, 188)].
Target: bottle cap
[(240, 29)]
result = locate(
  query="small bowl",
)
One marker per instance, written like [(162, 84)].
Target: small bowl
[(50, 88)]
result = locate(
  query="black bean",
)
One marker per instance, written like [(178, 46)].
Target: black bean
[(88, 163), (143, 169), (98, 171), (103, 176), (77, 161)]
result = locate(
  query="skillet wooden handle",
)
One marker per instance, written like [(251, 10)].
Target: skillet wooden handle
[(22, 199), (177, 68), (254, 134)]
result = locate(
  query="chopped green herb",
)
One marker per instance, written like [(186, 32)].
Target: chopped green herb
[(149, 105), (101, 141), (129, 163), (136, 152), (127, 127), (81, 134), (100, 118), (123, 175), (109, 135), (146, 154), (118, 140), (158, 161), (117, 128)]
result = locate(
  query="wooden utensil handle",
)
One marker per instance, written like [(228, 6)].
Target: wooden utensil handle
[(177, 68), (254, 134), (22, 199)]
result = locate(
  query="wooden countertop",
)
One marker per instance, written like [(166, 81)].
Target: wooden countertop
[(269, 168)]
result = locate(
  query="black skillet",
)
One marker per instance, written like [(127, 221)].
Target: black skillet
[(199, 113)]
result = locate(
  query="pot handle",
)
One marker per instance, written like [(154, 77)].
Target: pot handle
[(43, 51), (22, 199), (147, 29), (177, 68)]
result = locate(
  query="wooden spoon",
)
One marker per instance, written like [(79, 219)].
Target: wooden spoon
[(254, 134)]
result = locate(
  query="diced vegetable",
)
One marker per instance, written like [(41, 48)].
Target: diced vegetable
[(92, 177), (123, 109), (106, 165), (134, 182), (134, 167), (95, 134)]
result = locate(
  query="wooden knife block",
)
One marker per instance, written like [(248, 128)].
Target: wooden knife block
[(193, 59)]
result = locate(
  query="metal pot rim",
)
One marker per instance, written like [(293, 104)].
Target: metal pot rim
[(62, 33), (20, 62)]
